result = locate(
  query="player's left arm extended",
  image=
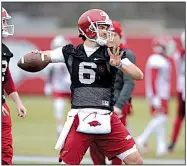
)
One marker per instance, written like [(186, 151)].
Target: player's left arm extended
[(127, 67)]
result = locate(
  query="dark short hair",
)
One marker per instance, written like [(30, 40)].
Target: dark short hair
[(83, 37)]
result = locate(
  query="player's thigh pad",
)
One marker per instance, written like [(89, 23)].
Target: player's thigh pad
[(118, 142)]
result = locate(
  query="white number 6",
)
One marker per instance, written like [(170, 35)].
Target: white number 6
[(83, 71)]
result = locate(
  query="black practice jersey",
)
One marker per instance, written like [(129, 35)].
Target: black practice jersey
[(6, 55), (92, 77)]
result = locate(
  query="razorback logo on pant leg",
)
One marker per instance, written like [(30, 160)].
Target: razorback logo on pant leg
[(94, 123)]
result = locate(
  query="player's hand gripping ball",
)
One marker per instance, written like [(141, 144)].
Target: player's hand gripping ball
[(33, 62)]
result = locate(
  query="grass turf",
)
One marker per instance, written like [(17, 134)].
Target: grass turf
[(36, 134)]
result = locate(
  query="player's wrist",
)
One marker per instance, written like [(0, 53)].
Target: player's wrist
[(119, 66)]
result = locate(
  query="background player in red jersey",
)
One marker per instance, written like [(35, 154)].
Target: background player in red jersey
[(92, 67), (123, 86), (179, 59), (9, 87)]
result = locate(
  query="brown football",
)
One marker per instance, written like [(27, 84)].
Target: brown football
[(32, 62)]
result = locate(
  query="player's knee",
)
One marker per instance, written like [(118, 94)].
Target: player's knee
[(134, 158), (139, 161)]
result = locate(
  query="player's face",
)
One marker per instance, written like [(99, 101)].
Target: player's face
[(116, 40), (158, 49), (4, 23), (103, 31)]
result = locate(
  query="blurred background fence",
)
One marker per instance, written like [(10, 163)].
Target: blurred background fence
[(43, 16)]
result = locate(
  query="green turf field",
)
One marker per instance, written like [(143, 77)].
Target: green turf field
[(36, 134)]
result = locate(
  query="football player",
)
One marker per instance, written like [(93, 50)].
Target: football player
[(179, 59), (9, 87), (123, 86), (157, 86), (57, 86), (93, 67)]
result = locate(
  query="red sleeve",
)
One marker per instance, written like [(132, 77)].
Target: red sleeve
[(182, 52), (154, 74), (9, 85)]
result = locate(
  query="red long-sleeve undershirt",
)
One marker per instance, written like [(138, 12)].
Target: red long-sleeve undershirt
[(9, 85)]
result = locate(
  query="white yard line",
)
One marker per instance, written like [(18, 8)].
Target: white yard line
[(87, 160)]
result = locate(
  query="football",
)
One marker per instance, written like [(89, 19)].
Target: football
[(32, 62)]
